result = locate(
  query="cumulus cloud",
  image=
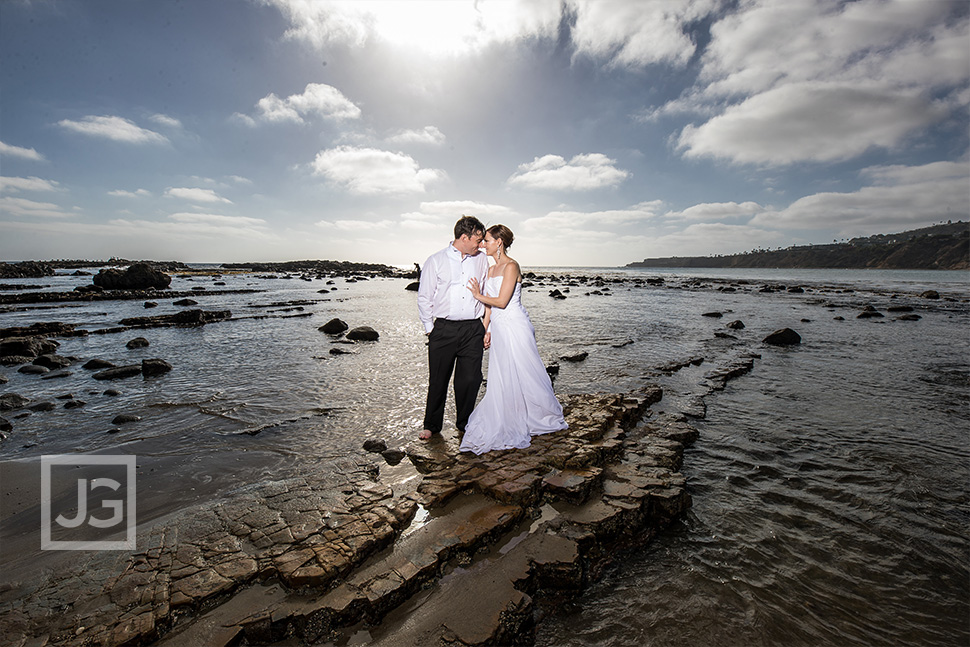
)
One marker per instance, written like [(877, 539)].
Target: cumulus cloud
[(15, 184), (427, 135), (316, 99), (373, 171), (214, 219), (196, 194), (564, 223), (820, 81), (21, 207), (22, 153), (581, 173), (634, 34), (816, 121), (901, 197), (715, 211), (138, 193), (114, 128)]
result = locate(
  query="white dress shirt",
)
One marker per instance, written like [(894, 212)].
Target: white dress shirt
[(443, 290)]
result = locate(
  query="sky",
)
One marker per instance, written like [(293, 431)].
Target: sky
[(602, 132)]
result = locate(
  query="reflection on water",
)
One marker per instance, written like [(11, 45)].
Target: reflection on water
[(829, 484)]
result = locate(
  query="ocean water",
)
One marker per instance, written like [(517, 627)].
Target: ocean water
[(829, 483)]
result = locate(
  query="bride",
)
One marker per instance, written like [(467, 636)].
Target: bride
[(519, 401)]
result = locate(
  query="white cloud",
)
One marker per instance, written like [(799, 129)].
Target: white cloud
[(316, 99), (818, 121), (593, 223), (901, 198), (635, 34), (23, 153), (714, 211), (21, 207), (427, 135), (703, 239), (138, 193), (217, 219), (581, 173), (15, 184), (165, 120), (114, 128), (372, 171), (196, 195)]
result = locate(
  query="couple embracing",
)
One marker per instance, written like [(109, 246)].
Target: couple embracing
[(466, 306)]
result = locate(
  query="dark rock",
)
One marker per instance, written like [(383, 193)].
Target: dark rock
[(556, 294), (137, 342), (43, 406), (334, 327), (185, 318), (185, 302), (363, 333), (412, 287), (95, 364), (114, 431), (552, 370), (5, 425), (575, 358), (909, 317), (151, 304), (869, 313), (341, 351), (125, 418), (89, 289), (3, 379), (139, 276), (74, 404), (41, 329), (713, 315), (25, 270), (783, 337), (111, 392), (57, 375), (11, 401), (900, 308), (27, 346), (930, 294), (80, 273), (393, 456), (150, 367), (52, 361), (375, 445), (118, 373), (736, 325), (839, 318), (796, 290), (621, 345), (66, 396), (33, 369)]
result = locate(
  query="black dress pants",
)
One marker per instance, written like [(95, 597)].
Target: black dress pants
[(453, 346)]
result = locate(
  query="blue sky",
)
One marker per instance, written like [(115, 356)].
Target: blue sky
[(601, 131)]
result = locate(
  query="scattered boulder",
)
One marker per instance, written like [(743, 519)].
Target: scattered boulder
[(152, 367), (137, 342), (11, 401), (869, 313), (138, 276), (57, 375), (119, 372), (363, 333), (3, 379), (375, 445), (621, 345), (25, 270), (111, 392), (43, 406), (125, 418), (736, 325), (393, 456), (713, 315), (412, 287), (30, 347), (556, 294), (5, 425), (185, 302), (334, 327), (151, 304), (341, 351), (930, 294), (184, 318), (908, 317), (783, 337), (33, 369), (95, 364), (575, 358), (52, 361), (74, 404)]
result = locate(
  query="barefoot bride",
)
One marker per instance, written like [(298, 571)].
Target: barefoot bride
[(519, 401)]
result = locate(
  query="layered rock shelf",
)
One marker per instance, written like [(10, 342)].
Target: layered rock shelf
[(474, 554)]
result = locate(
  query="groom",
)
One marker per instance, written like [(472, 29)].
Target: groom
[(452, 319)]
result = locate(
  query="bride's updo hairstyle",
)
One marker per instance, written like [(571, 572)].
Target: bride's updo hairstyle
[(503, 233)]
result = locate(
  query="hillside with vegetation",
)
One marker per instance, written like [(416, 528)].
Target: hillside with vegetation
[(939, 247)]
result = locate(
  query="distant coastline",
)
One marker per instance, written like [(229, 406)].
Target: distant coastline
[(940, 247)]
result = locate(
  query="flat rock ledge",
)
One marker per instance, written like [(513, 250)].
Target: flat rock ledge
[(482, 548)]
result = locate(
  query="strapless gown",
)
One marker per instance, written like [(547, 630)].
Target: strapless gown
[(519, 401)]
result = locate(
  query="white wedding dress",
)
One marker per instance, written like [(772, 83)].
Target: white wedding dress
[(519, 401)]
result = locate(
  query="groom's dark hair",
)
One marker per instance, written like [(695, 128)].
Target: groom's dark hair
[(468, 226)]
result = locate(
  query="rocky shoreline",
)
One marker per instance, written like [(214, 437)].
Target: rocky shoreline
[(308, 558)]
